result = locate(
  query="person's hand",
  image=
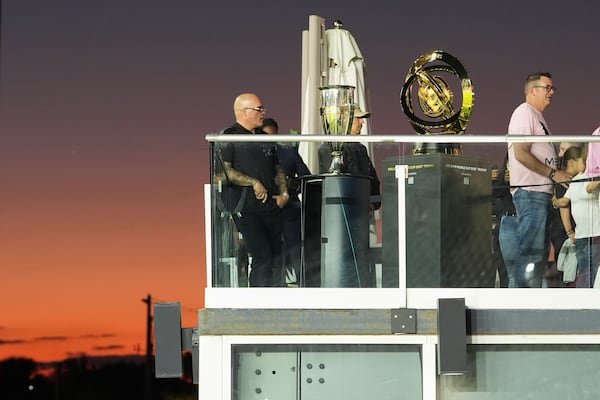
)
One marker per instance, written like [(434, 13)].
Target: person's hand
[(562, 177), (592, 186), (281, 199), (260, 191), (495, 173)]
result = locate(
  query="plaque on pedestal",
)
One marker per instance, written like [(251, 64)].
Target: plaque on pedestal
[(448, 222)]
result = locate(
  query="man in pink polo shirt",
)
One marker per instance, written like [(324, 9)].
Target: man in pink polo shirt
[(533, 171)]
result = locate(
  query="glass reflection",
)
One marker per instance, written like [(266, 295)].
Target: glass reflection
[(460, 222), (545, 372), (313, 372)]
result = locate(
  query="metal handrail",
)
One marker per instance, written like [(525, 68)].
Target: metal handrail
[(216, 137)]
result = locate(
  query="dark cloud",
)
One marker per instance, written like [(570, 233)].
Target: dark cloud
[(11, 341), (96, 336), (51, 339), (74, 354), (109, 347), (59, 339)]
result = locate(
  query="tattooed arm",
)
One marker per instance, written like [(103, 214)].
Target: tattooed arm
[(281, 182), (237, 178)]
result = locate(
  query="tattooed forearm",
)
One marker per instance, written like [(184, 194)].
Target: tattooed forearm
[(237, 178), (281, 181)]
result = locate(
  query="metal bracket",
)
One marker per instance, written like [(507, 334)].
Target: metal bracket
[(403, 320), (191, 342)]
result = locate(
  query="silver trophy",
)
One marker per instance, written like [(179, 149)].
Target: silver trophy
[(337, 112)]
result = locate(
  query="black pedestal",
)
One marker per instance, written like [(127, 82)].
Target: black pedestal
[(448, 222), (335, 231)]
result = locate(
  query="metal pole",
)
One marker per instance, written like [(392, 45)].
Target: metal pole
[(148, 367)]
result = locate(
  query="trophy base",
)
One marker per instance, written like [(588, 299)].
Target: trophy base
[(453, 149), (337, 163)]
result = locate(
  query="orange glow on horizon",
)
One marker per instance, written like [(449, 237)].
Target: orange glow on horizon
[(80, 269)]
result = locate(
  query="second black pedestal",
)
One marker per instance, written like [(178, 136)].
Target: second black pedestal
[(448, 222)]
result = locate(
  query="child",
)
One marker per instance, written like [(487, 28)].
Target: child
[(582, 195)]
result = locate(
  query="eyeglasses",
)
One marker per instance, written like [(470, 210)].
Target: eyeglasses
[(260, 109), (547, 87)]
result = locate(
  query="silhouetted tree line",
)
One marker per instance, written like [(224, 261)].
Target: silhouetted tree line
[(78, 378)]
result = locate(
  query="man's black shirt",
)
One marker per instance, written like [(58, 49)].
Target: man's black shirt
[(254, 159)]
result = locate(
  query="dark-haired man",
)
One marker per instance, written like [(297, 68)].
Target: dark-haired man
[(533, 171), (294, 167), (356, 158)]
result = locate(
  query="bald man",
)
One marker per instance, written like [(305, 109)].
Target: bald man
[(260, 191)]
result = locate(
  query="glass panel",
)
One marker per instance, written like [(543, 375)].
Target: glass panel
[(456, 206), (533, 372), (314, 372), (230, 257)]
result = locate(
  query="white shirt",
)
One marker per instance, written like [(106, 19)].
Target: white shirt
[(585, 208)]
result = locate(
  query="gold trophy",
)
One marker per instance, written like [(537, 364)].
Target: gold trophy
[(439, 112), (337, 112)]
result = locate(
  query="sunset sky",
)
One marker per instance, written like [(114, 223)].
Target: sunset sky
[(105, 106)]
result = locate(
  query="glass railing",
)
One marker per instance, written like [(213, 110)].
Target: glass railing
[(442, 219)]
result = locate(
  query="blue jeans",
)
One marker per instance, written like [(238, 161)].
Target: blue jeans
[(509, 245), (532, 212), (588, 258)]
